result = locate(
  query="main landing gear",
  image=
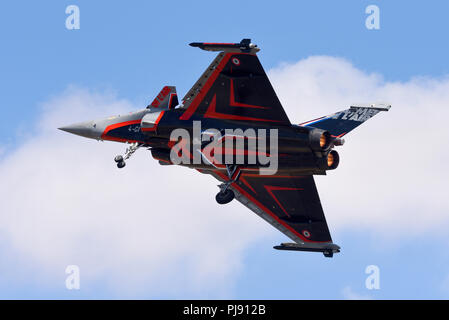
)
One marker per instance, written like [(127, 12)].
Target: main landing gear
[(226, 195), (120, 160)]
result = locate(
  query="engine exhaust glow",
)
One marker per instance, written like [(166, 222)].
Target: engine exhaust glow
[(330, 159), (323, 140)]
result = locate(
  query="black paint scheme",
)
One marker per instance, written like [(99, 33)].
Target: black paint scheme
[(235, 92)]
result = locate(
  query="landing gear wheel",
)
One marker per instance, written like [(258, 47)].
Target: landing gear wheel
[(118, 159), (224, 197), (121, 164)]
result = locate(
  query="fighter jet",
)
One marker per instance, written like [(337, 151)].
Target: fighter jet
[(232, 112)]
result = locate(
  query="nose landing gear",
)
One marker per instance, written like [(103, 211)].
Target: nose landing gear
[(120, 160)]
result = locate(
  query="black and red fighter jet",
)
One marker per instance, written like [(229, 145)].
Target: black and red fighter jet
[(231, 125)]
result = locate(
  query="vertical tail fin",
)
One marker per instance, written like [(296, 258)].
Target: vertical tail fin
[(166, 99), (342, 122)]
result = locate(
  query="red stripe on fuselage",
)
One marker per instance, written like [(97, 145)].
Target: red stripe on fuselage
[(111, 127)]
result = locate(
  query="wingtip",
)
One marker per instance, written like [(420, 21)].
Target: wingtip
[(376, 106)]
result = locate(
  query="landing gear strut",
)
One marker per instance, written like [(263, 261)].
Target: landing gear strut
[(120, 160), (226, 195)]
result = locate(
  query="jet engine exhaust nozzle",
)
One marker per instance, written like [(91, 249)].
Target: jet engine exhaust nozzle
[(320, 140), (333, 159)]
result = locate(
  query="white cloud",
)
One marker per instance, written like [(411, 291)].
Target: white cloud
[(393, 175), (349, 294)]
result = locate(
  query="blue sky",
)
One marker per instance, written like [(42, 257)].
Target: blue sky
[(134, 49)]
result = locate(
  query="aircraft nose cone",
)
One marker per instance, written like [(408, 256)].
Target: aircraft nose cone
[(86, 129)]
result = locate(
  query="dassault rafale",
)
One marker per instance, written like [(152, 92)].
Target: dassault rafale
[(231, 125)]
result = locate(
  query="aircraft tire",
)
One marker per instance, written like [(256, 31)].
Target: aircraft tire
[(224, 197)]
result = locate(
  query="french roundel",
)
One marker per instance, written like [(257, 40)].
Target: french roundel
[(235, 61), (306, 233)]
